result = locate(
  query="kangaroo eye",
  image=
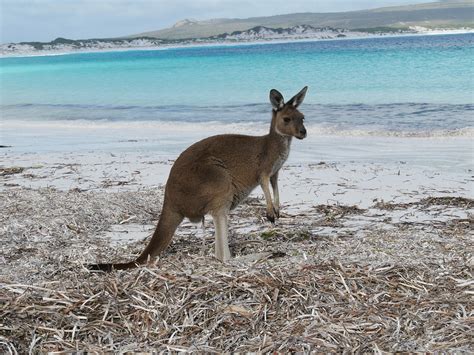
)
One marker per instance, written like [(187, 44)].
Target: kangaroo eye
[(287, 119)]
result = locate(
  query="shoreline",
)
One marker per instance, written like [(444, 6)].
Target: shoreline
[(443, 150), (219, 127), (235, 44)]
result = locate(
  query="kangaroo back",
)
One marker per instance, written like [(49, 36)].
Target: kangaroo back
[(169, 221)]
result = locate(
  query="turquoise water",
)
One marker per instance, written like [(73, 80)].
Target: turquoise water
[(422, 69), (399, 86)]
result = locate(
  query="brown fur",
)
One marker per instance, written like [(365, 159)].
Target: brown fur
[(215, 174)]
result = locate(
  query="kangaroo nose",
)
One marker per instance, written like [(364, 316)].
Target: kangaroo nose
[(303, 131)]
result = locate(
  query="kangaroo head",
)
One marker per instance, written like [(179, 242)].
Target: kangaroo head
[(288, 121)]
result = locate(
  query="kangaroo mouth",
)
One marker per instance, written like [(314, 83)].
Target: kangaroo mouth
[(300, 137)]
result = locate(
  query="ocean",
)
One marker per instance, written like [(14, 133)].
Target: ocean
[(364, 90)]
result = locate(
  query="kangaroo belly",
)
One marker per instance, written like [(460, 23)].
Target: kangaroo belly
[(240, 196)]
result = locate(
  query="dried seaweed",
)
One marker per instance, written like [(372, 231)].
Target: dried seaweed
[(11, 170), (384, 289), (332, 215), (447, 201), (209, 307)]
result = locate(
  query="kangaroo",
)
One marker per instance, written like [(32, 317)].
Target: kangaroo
[(215, 174)]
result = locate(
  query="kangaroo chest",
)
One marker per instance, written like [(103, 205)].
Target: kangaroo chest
[(281, 157)]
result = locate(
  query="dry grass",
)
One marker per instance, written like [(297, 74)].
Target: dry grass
[(390, 287)]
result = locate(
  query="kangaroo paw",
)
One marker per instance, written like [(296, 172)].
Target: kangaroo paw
[(276, 212), (271, 217)]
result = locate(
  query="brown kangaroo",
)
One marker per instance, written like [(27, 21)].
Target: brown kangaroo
[(214, 175)]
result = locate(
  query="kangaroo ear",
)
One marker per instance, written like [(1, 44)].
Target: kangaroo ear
[(298, 98), (276, 99)]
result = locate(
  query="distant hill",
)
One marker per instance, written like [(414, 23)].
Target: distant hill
[(451, 14)]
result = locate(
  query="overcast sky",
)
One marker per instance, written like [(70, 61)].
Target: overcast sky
[(44, 20)]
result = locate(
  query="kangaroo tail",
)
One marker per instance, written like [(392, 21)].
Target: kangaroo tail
[(169, 221)]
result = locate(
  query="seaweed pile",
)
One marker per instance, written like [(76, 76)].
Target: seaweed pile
[(403, 287)]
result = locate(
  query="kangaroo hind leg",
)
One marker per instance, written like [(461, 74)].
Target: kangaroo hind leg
[(222, 250)]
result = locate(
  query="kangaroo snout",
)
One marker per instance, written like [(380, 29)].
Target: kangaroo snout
[(302, 134)]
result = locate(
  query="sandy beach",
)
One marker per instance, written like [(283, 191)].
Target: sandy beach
[(365, 255)]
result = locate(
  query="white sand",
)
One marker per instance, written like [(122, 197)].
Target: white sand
[(322, 170), (302, 183)]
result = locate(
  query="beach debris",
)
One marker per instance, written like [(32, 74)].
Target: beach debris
[(333, 214), (10, 185), (338, 210), (448, 201), (109, 183), (11, 170)]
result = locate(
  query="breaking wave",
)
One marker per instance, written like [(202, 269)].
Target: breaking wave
[(386, 120)]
